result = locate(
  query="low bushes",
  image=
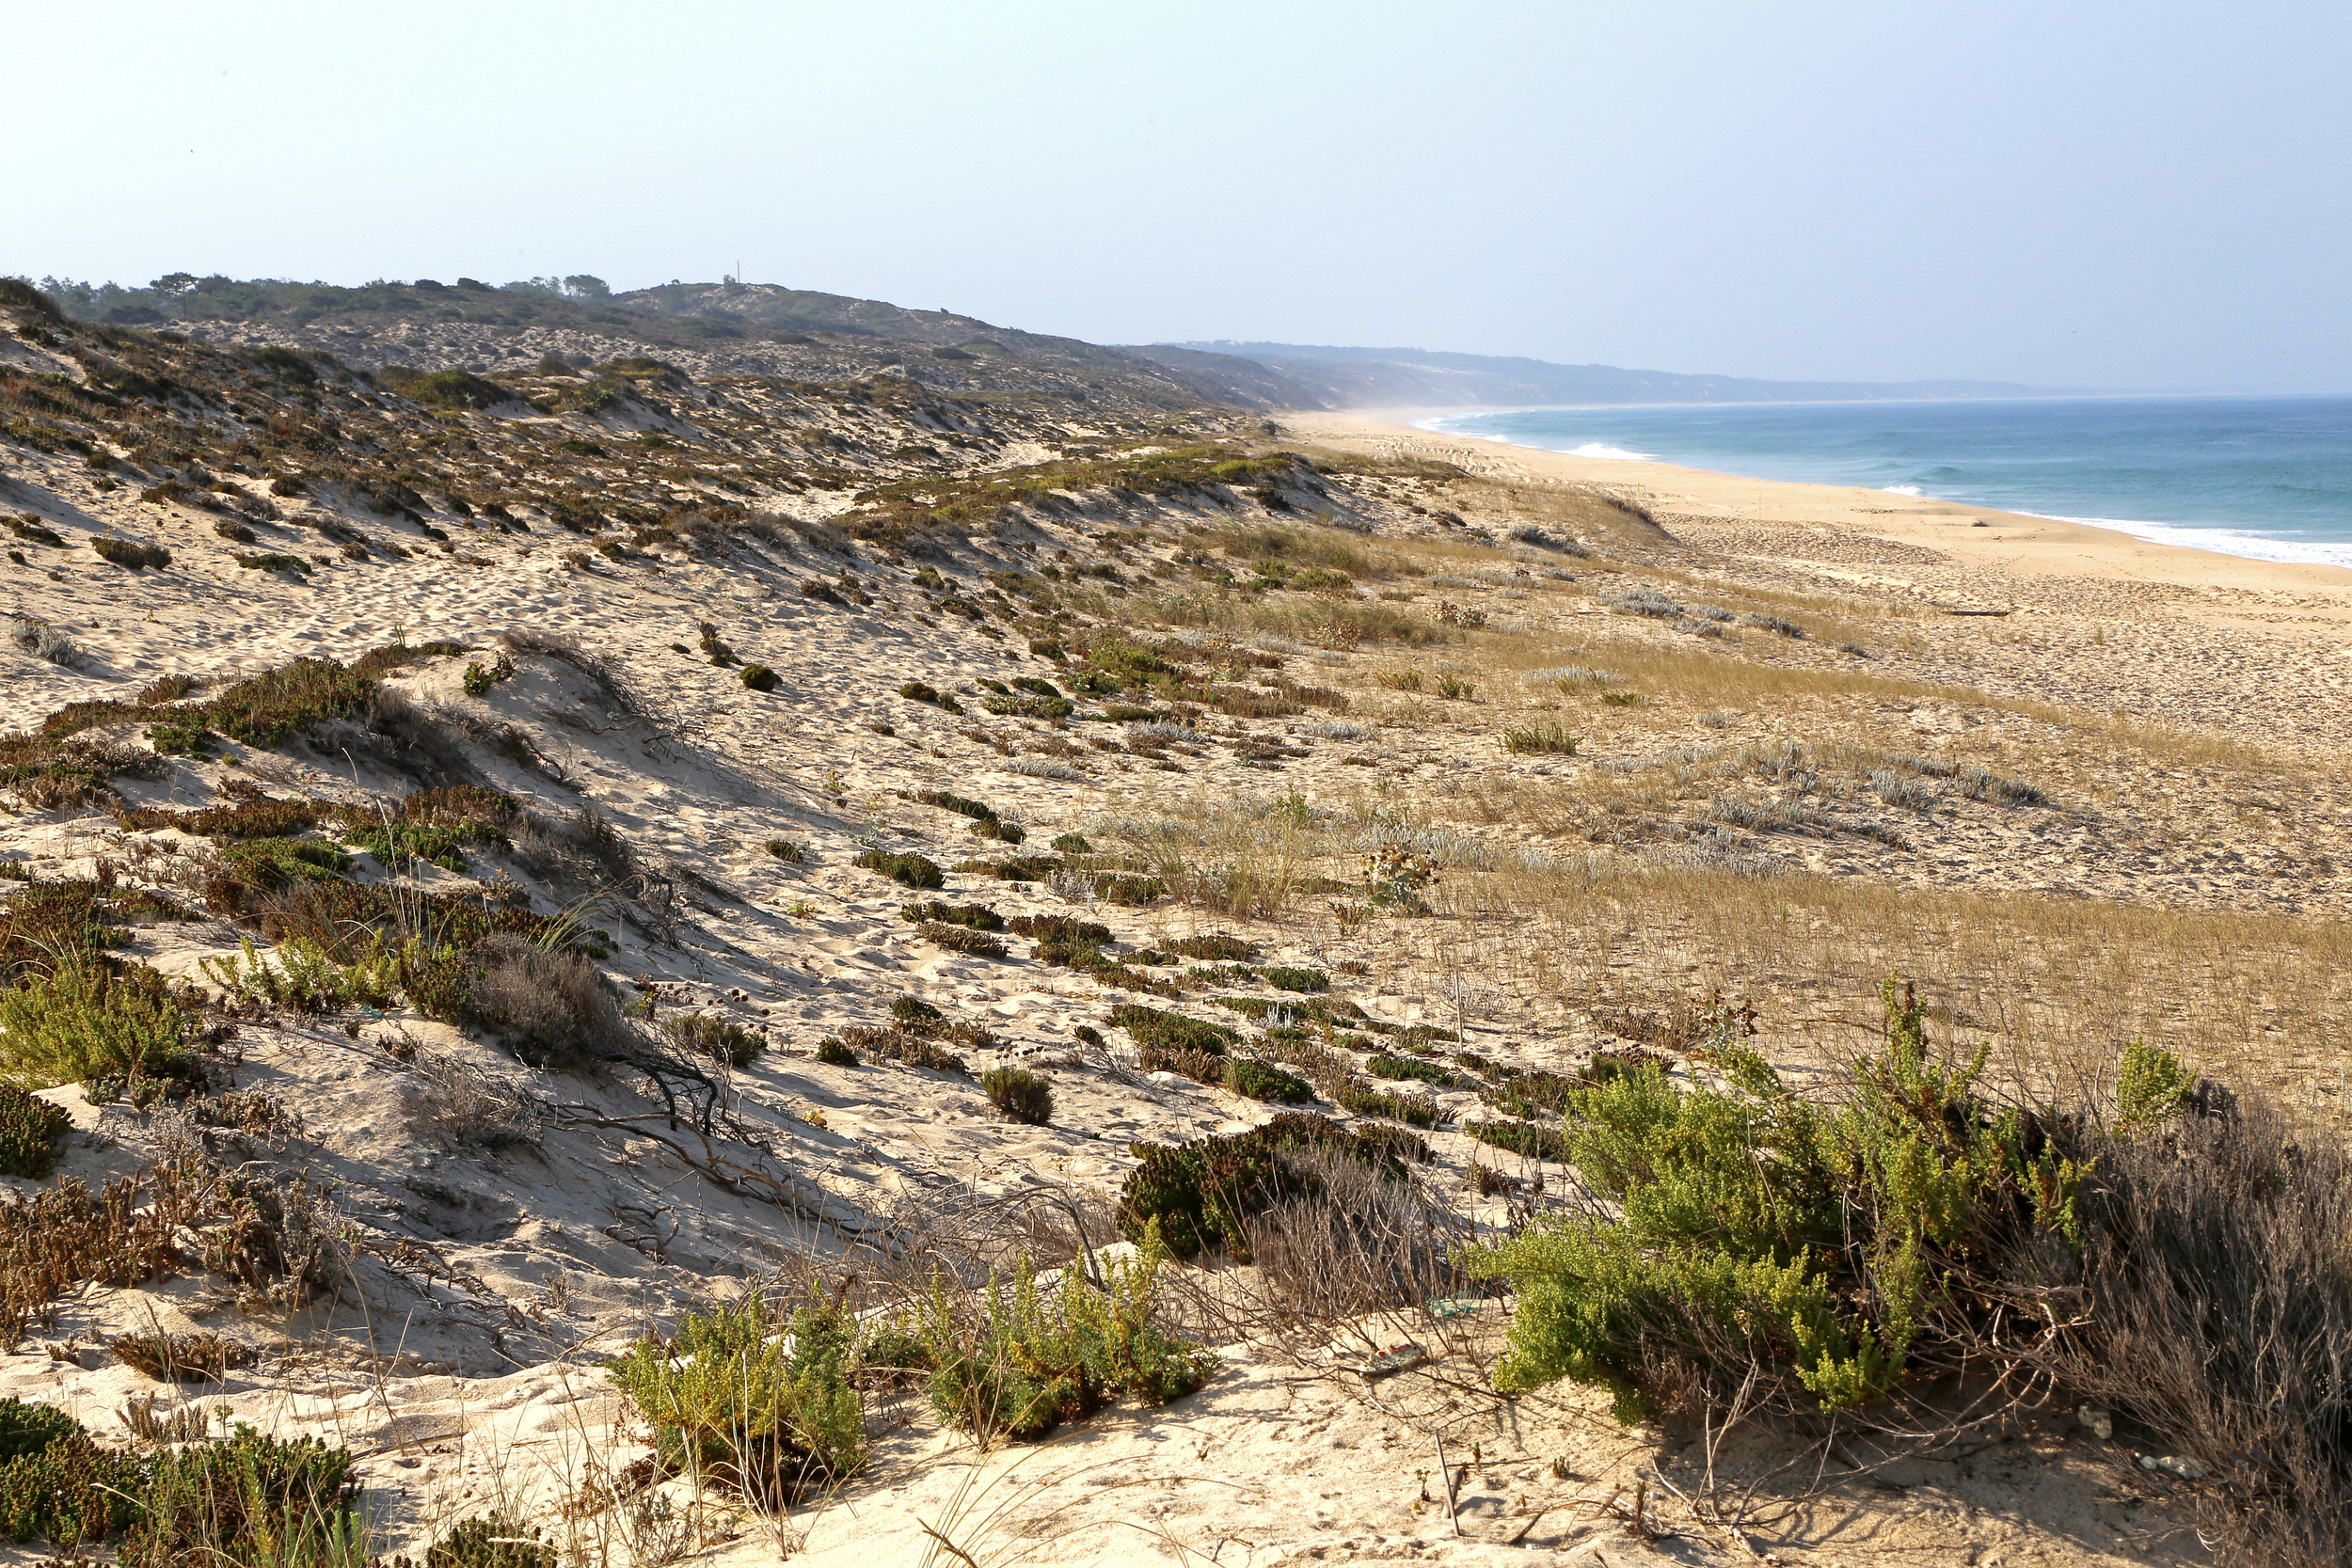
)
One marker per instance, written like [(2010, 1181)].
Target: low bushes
[(1151, 1026), (200, 1357), (760, 678), (1061, 928), (123, 552), (1213, 947), (961, 939), (1543, 739), (1019, 1095), (1205, 1192), (1396, 1068), (1127, 887), (904, 867), (455, 389), (720, 1039), (83, 1021), (916, 692), (985, 821), (1260, 1080), (29, 1130), (1029, 707), (762, 1407), (979, 917), (1531, 1139), (491, 1541), (554, 1009), (56, 1483), (1021, 1361), (1821, 1257), (250, 1502), (1414, 1110)]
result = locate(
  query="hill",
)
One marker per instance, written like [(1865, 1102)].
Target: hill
[(694, 946)]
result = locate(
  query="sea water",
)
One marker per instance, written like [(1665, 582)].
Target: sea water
[(2264, 477)]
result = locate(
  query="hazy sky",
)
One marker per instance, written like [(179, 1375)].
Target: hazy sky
[(2142, 194)]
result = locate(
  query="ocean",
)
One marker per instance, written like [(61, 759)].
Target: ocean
[(2269, 478)]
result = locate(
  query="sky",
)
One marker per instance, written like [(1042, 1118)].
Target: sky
[(2144, 195)]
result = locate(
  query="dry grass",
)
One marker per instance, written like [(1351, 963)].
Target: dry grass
[(2061, 983)]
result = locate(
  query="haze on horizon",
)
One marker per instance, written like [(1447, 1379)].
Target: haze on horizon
[(2150, 196)]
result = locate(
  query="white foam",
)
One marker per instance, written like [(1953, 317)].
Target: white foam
[(1602, 449), (1903, 489), (2223, 541)]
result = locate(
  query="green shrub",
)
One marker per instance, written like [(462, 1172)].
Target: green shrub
[(29, 1130), (1060, 927), (267, 864), (760, 678), (977, 810), (1385, 1066), (2150, 1084), (279, 563), (85, 1021), (1540, 739), (56, 1483), (457, 389), (1025, 1362), (1297, 980), (1073, 844), (1030, 707), (1526, 1138), (1259, 1080), (1151, 1026), (492, 1540), (1121, 888), (122, 552), (730, 1404), (1822, 1253), (788, 850), (914, 1009), (1019, 1095), (396, 843), (904, 867), (720, 1039), (234, 531), (1199, 1065), (1205, 1192), (978, 916), (1414, 1110), (833, 1054), (250, 1502), (961, 939), (985, 822), (1215, 948), (917, 691), (180, 740)]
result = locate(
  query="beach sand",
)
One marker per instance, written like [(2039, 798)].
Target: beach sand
[(2013, 544)]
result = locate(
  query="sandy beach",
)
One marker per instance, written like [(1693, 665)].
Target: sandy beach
[(2011, 544)]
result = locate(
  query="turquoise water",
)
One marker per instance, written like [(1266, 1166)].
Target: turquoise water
[(2264, 477)]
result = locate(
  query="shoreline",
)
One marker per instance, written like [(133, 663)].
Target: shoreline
[(2219, 537), (2013, 544)]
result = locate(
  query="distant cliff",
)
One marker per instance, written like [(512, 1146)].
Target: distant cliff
[(1322, 376)]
